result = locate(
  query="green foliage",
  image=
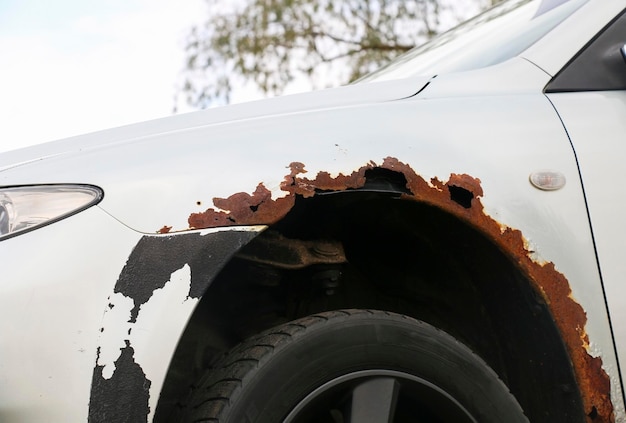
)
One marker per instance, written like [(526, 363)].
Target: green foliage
[(273, 43)]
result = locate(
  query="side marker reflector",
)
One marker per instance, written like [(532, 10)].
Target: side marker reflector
[(547, 180)]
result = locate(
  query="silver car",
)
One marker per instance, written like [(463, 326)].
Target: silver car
[(442, 241)]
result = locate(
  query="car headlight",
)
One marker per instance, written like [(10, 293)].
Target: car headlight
[(26, 208)]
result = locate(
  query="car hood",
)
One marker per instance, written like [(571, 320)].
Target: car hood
[(316, 100)]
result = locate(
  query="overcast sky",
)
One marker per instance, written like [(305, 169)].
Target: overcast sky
[(74, 66), (68, 67)]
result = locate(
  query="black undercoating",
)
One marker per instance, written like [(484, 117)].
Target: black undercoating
[(124, 397)]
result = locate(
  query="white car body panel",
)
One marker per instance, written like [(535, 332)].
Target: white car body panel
[(47, 358), (494, 124), (352, 94), (601, 153)]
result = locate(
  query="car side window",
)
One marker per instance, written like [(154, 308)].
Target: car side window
[(599, 66)]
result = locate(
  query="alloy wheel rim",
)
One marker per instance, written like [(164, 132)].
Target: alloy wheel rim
[(379, 396)]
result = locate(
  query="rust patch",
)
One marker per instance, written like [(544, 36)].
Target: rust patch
[(164, 230), (259, 207), (459, 196)]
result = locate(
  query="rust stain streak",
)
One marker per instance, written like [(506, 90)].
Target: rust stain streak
[(260, 208)]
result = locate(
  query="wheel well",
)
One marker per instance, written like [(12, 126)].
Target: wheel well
[(401, 256)]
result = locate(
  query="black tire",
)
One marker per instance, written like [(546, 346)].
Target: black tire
[(352, 366)]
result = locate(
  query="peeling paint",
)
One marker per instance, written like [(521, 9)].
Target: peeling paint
[(113, 340), (165, 315), (188, 263), (162, 312), (128, 384), (459, 196), (155, 258)]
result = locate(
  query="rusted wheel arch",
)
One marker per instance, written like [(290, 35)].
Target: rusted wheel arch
[(458, 197)]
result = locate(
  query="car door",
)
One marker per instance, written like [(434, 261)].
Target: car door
[(589, 95)]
